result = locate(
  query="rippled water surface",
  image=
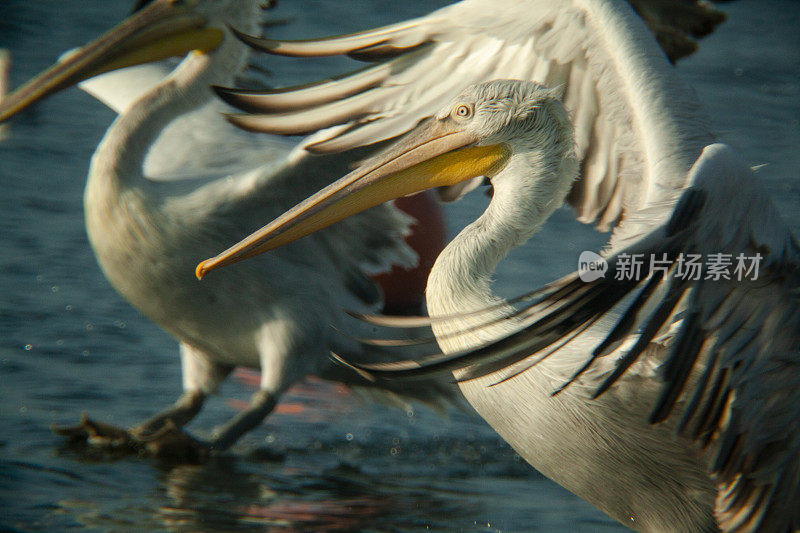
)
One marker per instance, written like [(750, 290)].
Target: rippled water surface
[(325, 461)]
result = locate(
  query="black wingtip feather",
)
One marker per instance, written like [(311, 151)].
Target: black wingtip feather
[(680, 364), (654, 324), (687, 210), (257, 43), (230, 96)]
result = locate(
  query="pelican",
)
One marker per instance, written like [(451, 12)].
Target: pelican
[(172, 182), (586, 382)]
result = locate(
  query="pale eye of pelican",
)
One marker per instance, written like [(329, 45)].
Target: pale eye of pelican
[(462, 112)]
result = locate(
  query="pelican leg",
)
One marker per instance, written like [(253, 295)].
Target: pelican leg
[(161, 436), (261, 404), (201, 377), (179, 414), (279, 349)]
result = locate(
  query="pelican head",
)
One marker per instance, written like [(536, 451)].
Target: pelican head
[(522, 115), (487, 130), (157, 30)]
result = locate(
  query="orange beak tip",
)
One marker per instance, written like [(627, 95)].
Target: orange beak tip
[(200, 271)]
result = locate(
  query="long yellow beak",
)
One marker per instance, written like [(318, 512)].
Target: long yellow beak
[(436, 153), (161, 30)]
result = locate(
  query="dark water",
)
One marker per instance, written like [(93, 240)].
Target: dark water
[(325, 461)]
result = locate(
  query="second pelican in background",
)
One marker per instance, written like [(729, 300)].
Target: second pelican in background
[(172, 182)]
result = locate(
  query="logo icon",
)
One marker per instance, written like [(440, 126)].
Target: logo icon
[(591, 266)]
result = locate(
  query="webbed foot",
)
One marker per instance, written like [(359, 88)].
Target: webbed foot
[(169, 444), (172, 445), (96, 434)]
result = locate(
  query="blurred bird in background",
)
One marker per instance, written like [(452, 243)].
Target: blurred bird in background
[(172, 182)]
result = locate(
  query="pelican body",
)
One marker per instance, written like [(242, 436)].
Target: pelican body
[(587, 382), (172, 182)]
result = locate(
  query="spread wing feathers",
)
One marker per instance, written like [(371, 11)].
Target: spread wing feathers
[(590, 49), (730, 343), (434, 392)]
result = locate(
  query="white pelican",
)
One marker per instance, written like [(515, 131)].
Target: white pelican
[(148, 234), (721, 351)]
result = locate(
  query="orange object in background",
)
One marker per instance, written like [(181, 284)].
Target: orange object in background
[(404, 290)]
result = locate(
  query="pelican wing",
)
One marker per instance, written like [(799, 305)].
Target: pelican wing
[(590, 49), (732, 360), (727, 339)]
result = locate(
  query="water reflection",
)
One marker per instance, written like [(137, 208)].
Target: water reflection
[(232, 494), (340, 499)]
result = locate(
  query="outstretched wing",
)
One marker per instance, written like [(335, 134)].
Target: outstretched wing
[(593, 50), (728, 335)]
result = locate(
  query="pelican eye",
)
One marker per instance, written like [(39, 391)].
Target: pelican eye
[(462, 112)]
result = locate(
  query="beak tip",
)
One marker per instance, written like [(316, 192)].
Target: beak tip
[(201, 270)]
